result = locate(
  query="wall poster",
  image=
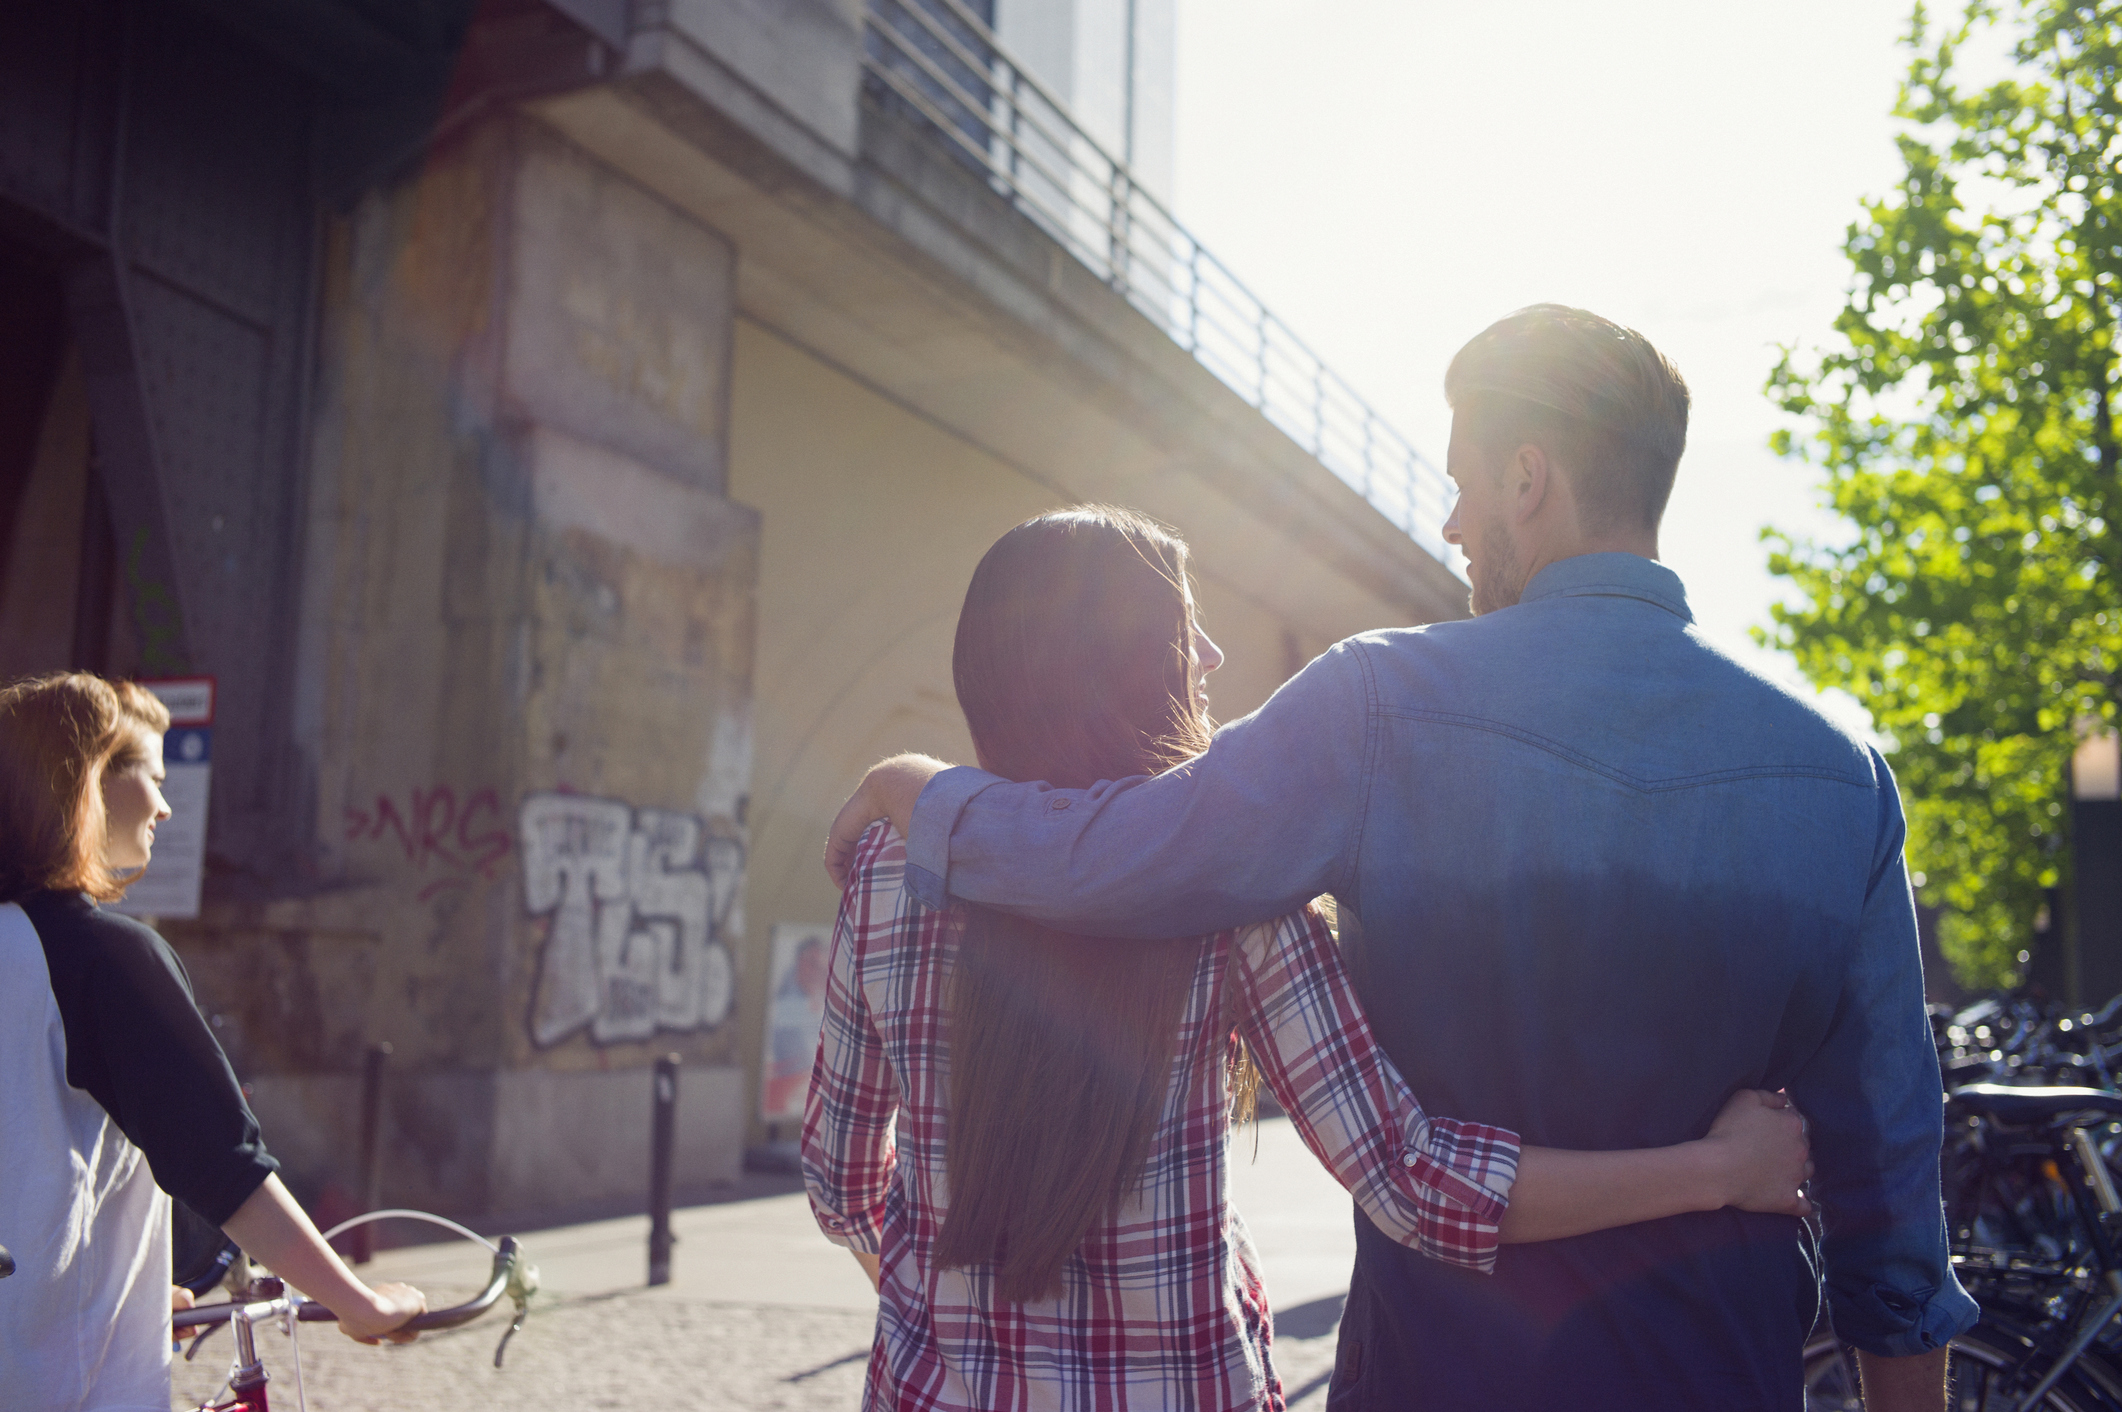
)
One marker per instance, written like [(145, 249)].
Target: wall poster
[(795, 1011)]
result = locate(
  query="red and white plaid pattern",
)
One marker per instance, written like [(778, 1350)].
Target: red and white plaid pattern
[(1162, 1307)]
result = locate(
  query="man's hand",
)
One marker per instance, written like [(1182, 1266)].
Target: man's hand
[(1913, 1384), (888, 791)]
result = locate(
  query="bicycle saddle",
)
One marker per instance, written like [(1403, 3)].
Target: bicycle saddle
[(2008, 1104)]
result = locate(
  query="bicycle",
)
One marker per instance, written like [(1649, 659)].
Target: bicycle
[(268, 1301), (2018, 1039), (2035, 1220)]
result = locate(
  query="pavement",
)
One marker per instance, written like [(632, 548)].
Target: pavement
[(761, 1311)]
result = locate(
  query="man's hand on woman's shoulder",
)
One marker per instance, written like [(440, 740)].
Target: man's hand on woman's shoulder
[(889, 791)]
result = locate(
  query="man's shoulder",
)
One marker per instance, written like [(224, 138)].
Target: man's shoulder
[(1362, 654), (1775, 713), (1707, 705), (1473, 638)]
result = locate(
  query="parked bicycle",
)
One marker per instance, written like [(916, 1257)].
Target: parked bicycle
[(267, 1301), (2018, 1039), (2036, 1229)]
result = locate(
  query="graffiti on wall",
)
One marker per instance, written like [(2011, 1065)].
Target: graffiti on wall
[(639, 905), (457, 840)]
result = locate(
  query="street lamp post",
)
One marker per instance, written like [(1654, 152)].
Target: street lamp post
[(2096, 857)]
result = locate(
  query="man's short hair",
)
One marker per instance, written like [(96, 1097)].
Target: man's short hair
[(1611, 409)]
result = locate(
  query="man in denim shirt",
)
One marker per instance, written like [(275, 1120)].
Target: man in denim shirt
[(1593, 876)]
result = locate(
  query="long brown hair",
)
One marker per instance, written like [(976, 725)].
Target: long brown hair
[(59, 736), (1073, 665)]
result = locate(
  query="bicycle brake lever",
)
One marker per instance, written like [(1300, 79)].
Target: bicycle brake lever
[(522, 1284), (522, 1311), (198, 1339)]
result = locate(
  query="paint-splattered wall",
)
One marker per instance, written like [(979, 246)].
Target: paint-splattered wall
[(528, 648)]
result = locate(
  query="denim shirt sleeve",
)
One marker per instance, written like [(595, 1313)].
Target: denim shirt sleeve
[(1267, 819), (1876, 1105)]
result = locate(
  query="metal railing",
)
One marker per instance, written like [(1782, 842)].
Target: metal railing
[(939, 63)]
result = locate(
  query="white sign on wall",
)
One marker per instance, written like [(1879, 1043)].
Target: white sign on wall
[(170, 886), (795, 1011)]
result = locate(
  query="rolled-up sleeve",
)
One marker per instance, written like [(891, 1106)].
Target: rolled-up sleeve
[(151, 1060), (1266, 819), (1436, 1185), (1876, 1105), (848, 1147), (936, 814)]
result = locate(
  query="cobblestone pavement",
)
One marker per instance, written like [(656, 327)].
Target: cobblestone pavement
[(647, 1349), (762, 1312)]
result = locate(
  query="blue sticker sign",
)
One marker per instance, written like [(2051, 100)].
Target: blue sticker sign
[(169, 887)]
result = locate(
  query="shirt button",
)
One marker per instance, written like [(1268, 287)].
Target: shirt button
[(1408, 1160), (1058, 804)]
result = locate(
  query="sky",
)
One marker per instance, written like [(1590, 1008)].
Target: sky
[(1391, 176)]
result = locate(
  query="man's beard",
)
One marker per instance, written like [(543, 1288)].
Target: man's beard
[(1497, 579)]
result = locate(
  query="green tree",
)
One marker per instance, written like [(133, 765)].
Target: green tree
[(1962, 414)]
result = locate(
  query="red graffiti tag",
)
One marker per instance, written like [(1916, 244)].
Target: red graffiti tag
[(435, 828)]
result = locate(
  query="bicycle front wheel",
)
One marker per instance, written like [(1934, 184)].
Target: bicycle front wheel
[(1992, 1366)]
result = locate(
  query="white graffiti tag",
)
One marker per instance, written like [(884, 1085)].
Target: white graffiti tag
[(641, 904)]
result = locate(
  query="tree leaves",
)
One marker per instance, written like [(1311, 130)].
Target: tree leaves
[(1962, 416)]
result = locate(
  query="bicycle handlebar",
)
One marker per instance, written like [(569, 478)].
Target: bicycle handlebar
[(308, 1312)]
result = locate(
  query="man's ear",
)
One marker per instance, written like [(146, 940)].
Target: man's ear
[(1529, 480)]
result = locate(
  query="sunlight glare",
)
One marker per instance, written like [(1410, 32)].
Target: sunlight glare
[(1391, 177)]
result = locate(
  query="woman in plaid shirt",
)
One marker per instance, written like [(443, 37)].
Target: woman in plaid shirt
[(1021, 1134)]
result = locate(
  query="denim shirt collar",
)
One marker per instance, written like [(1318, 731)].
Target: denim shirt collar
[(1611, 576)]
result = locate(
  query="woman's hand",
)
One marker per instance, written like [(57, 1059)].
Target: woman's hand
[(378, 1318), (1759, 1145), (1755, 1158)]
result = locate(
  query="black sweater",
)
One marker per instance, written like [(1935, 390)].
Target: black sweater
[(135, 1042)]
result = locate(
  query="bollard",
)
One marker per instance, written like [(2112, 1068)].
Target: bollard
[(363, 1236), (663, 1142)]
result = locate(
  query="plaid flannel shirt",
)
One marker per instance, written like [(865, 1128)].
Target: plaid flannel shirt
[(1162, 1306)]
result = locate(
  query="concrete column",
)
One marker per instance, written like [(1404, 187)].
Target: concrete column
[(528, 629)]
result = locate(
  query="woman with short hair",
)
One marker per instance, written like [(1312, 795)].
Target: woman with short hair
[(115, 1086), (1022, 1134)]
